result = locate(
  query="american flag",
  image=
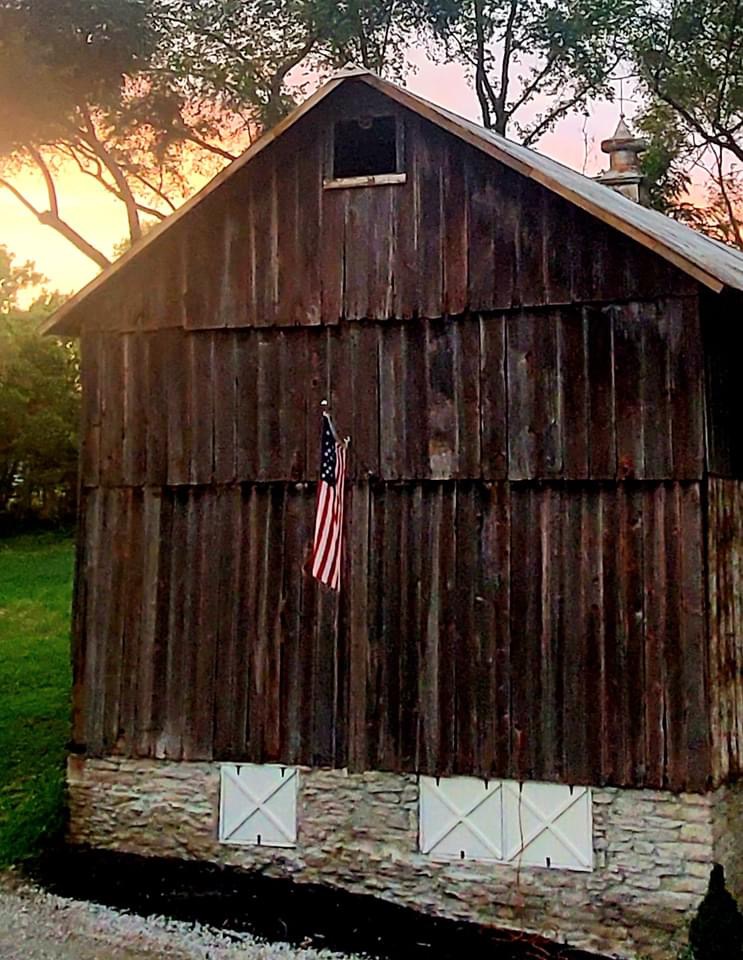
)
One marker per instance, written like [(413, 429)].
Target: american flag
[(328, 545)]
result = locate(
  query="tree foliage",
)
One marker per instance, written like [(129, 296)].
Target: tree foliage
[(39, 406), (689, 55), (241, 52), (689, 60), (523, 53)]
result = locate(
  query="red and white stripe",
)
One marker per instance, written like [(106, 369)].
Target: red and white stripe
[(328, 545)]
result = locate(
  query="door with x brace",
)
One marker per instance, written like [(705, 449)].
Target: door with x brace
[(258, 805)]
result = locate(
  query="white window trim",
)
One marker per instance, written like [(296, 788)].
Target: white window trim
[(374, 180)]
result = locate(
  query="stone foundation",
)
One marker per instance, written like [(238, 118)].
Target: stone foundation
[(652, 850)]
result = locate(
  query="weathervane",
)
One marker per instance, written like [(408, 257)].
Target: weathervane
[(622, 99)]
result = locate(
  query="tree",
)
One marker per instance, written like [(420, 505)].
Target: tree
[(62, 70), (523, 52), (241, 52), (689, 55), (141, 94), (689, 69), (39, 405), (80, 84)]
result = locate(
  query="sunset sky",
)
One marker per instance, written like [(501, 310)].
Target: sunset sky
[(101, 218)]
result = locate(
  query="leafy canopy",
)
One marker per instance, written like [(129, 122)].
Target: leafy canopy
[(39, 404)]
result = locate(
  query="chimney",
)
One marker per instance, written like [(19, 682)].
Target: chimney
[(624, 174)]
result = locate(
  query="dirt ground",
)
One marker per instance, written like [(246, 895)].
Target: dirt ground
[(35, 925)]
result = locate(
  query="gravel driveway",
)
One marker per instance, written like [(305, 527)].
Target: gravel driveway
[(35, 925)]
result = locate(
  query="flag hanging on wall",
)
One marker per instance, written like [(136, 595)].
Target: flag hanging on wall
[(328, 545)]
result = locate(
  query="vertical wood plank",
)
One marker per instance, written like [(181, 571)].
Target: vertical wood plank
[(493, 397), (577, 690), (358, 255), (91, 371), (225, 407), (534, 424), (467, 639), (134, 400), (175, 343), (629, 370), (333, 254), (176, 672), (602, 418), (656, 393), (246, 431), (481, 204), (114, 630), (428, 181), (467, 357), (201, 386), (574, 400), (443, 440), (98, 595), (407, 282), (381, 241), (148, 629), (288, 286), (157, 364), (686, 376), (230, 641), (297, 536), (359, 627), (311, 232), (112, 410), (696, 745), (455, 230), (392, 409), (292, 403)]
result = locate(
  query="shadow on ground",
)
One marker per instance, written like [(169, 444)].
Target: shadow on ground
[(278, 910)]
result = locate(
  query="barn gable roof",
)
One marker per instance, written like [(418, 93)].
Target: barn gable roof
[(710, 262)]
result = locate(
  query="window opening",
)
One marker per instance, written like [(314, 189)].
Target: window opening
[(365, 147)]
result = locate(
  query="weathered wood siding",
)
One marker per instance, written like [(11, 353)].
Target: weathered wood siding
[(524, 588), (532, 631), (464, 233), (528, 629), (613, 392), (725, 577)]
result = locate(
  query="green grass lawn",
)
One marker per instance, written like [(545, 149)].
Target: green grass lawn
[(35, 592)]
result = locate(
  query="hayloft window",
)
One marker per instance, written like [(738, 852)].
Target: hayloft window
[(366, 151)]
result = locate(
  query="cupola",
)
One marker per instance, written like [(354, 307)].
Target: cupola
[(624, 174)]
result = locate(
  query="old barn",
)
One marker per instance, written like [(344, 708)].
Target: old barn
[(524, 706)]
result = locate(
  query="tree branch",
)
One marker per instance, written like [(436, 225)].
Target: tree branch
[(506, 65), (48, 179), (272, 111), (531, 88), (485, 93), (729, 207), (49, 219), (90, 137), (205, 145), (728, 59), (721, 139), (382, 58), (98, 176)]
